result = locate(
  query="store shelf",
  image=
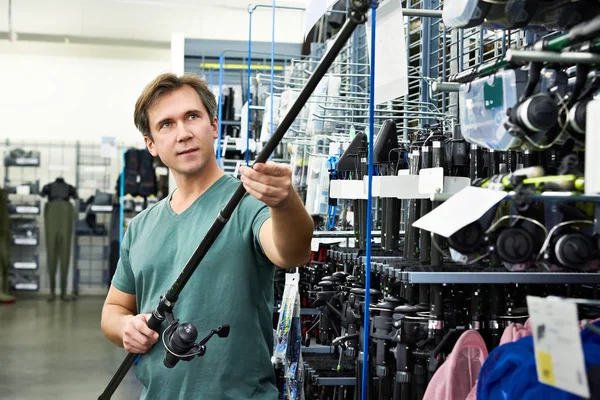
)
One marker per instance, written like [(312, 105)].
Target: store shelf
[(101, 209), (22, 162), (499, 277), (26, 210), (318, 349), (334, 381), (25, 266), (27, 287), (25, 241)]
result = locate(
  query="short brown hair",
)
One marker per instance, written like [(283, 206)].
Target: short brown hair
[(166, 83)]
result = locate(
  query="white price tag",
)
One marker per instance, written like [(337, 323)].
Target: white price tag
[(460, 210), (27, 210), (557, 343), (391, 65), (26, 241), (25, 265), (26, 286), (27, 161), (431, 180), (102, 208), (23, 190)]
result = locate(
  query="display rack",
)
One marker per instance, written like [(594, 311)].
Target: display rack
[(22, 182), (436, 56), (56, 159), (94, 177)]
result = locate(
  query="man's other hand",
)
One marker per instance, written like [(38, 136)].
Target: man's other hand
[(270, 183), (137, 337)]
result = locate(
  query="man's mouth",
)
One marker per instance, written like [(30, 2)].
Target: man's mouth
[(188, 151)]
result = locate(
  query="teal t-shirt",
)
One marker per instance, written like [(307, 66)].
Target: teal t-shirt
[(233, 285)]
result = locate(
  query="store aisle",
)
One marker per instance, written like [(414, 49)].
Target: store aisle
[(57, 351)]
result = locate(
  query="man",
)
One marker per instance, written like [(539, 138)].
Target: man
[(234, 283)]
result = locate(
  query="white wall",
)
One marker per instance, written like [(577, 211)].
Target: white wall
[(69, 91), (153, 19), (73, 92)]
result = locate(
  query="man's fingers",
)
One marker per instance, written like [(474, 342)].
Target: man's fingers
[(257, 176), (260, 188), (258, 195), (136, 348), (142, 326), (272, 168)]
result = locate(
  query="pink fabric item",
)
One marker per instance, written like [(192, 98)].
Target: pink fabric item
[(514, 332), (458, 374), (473, 393)]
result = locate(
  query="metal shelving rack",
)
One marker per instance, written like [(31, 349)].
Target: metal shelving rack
[(91, 251), (434, 53), (24, 207), (57, 159)]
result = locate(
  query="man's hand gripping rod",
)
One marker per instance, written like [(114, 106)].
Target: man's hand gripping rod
[(358, 15)]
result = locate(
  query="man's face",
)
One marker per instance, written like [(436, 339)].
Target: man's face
[(182, 132)]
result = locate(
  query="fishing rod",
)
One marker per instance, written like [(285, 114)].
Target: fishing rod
[(183, 337)]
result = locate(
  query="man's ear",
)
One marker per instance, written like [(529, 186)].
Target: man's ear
[(150, 145), (215, 126)]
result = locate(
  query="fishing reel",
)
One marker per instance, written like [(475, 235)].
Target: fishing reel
[(573, 118), (572, 248), (534, 119), (518, 243), (180, 341)]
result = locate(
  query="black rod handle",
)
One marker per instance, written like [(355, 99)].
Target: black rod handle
[(154, 324), (118, 377)]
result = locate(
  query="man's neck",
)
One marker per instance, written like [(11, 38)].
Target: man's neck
[(189, 188)]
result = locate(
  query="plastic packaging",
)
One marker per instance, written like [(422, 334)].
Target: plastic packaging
[(317, 194), (288, 339), (464, 13), (484, 105)]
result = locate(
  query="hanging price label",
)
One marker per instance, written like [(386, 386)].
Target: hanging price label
[(23, 190), (557, 344)]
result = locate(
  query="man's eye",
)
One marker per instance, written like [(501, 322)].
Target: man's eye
[(165, 125), (193, 116)]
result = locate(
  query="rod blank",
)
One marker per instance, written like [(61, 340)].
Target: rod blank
[(445, 87), (516, 56)]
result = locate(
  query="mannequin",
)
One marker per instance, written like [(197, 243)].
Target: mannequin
[(5, 297), (59, 218)]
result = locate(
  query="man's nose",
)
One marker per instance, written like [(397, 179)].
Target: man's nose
[(183, 133)]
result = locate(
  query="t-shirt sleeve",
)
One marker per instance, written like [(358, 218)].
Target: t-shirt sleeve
[(123, 278), (261, 215), (253, 215)]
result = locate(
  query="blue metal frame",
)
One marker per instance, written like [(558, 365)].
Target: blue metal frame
[(251, 10), (121, 199), (220, 105), (220, 94), (365, 366)]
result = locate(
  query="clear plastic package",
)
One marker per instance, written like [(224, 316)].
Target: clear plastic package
[(484, 105), (464, 13)]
